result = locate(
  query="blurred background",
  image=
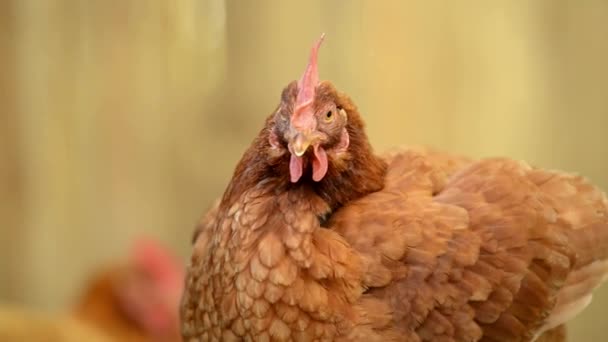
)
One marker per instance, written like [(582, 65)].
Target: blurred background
[(123, 118)]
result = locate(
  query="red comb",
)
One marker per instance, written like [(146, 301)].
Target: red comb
[(157, 260), (302, 117), (152, 302)]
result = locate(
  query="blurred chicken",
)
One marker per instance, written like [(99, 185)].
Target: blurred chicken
[(133, 301)]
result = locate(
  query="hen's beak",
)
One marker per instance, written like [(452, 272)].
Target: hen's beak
[(301, 143)]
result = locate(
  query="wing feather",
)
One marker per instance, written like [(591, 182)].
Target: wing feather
[(491, 250)]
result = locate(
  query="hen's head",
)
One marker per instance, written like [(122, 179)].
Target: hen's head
[(139, 297), (314, 124), (316, 139)]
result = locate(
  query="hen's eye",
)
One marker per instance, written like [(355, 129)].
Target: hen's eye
[(329, 116)]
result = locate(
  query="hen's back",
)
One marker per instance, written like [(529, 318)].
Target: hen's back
[(491, 250)]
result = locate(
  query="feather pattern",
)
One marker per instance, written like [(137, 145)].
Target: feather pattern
[(416, 245), (450, 250)]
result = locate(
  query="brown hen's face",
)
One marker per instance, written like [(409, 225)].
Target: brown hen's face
[(311, 122), (321, 139)]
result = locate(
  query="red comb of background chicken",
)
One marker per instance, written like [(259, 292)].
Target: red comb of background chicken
[(155, 306), (302, 117), (158, 262)]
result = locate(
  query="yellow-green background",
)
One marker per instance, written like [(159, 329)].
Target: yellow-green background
[(124, 117)]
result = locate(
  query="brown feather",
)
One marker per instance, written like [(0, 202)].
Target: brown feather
[(417, 245)]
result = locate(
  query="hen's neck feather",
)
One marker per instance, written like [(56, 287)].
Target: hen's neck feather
[(350, 177), (356, 174)]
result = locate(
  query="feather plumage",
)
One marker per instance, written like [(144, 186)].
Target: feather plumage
[(416, 245)]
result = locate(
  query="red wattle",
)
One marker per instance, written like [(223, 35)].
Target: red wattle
[(319, 164), (295, 168)]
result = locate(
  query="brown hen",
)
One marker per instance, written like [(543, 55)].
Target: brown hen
[(132, 301), (316, 238)]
